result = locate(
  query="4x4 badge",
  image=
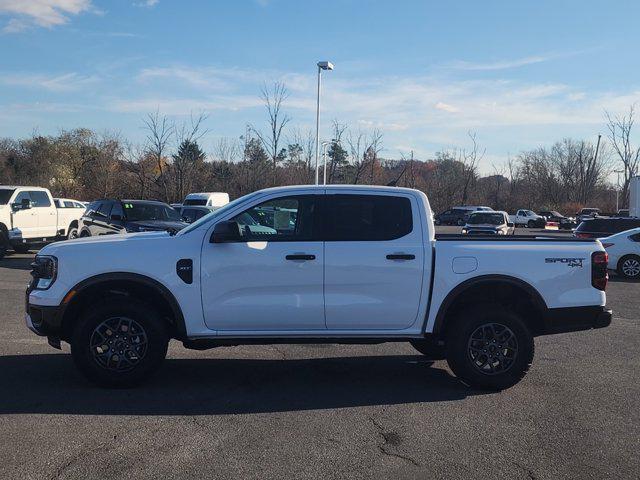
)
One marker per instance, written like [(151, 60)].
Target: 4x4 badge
[(571, 261)]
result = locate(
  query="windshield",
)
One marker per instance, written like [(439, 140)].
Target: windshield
[(490, 218), (5, 195), (221, 211), (138, 211)]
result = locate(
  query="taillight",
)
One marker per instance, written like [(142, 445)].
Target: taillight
[(599, 275)]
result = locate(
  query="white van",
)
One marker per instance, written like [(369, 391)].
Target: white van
[(208, 199)]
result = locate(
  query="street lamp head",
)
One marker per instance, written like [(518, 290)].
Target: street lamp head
[(325, 65)]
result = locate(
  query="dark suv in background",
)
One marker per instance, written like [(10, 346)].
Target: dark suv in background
[(604, 227), (454, 216), (104, 217)]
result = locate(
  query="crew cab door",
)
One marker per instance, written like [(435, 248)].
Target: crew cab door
[(374, 260), (46, 213), (272, 279)]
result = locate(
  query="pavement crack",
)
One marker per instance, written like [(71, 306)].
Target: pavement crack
[(530, 473), (390, 439)]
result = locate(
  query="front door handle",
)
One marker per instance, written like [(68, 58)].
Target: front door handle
[(400, 256), (300, 256)]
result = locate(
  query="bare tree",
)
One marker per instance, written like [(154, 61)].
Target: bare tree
[(227, 150), (273, 99), (470, 159), (363, 150), (189, 158), (160, 130), (620, 128)]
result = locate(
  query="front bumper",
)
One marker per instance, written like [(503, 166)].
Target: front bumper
[(43, 320), (573, 319)]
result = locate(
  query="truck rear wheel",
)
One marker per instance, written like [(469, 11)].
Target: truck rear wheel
[(489, 348), (119, 343)]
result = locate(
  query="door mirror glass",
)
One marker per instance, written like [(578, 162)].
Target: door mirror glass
[(225, 232), (24, 204)]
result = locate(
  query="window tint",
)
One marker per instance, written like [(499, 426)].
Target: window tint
[(366, 217), (39, 198), (22, 196), (195, 201), (117, 211), (103, 209), (91, 209), (627, 224), (190, 215), (280, 220), (5, 195)]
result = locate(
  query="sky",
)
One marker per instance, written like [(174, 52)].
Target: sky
[(520, 74)]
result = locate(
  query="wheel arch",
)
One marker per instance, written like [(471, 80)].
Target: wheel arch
[(127, 284), (494, 289)]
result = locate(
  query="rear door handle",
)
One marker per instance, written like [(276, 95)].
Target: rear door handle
[(300, 256), (400, 256)]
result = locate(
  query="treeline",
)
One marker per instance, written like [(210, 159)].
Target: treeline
[(86, 165)]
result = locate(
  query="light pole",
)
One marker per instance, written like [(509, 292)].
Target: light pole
[(321, 66)]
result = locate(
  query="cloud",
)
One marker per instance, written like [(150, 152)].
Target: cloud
[(43, 13), (56, 83), (146, 3), (511, 63), (445, 107)]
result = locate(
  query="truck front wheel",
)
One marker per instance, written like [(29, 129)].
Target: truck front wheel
[(489, 347), (119, 343)]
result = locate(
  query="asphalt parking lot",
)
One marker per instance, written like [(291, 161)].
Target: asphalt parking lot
[(325, 411)]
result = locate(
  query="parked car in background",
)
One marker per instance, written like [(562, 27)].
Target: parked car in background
[(587, 213), (110, 216), (177, 207), (457, 215), (624, 253), (488, 223), (69, 212), (29, 218), (623, 212), (528, 218), (192, 213), (207, 199), (604, 227), (564, 223)]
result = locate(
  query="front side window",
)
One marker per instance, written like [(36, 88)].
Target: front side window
[(366, 217), (5, 195), (285, 219), (103, 210)]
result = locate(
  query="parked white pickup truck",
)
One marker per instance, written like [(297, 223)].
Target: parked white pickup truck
[(337, 264), (29, 218)]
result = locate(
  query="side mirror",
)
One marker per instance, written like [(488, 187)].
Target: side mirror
[(226, 232), (510, 224), (25, 204)]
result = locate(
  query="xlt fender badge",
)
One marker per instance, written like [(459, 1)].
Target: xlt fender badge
[(184, 269), (571, 262)]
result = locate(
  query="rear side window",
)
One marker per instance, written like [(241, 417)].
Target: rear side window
[(195, 201), (635, 237), (627, 224), (103, 209), (190, 215), (366, 217), (39, 198), (595, 226)]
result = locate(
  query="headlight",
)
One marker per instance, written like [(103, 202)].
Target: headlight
[(464, 230), (44, 271)]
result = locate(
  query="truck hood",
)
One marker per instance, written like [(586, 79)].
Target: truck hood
[(99, 242)]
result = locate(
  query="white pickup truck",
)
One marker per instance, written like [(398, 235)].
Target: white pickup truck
[(337, 264), (29, 217)]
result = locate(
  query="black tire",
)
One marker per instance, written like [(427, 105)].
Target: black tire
[(22, 248), (531, 224), (429, 349), (72, 233), (84, 234), (4, 244), (99, 323), (629, 267), (463, 342)]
